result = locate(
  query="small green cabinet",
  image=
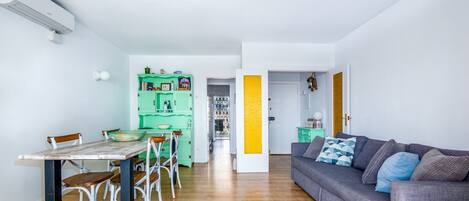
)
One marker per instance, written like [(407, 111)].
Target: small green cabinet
[(308, 134), (168, 99)]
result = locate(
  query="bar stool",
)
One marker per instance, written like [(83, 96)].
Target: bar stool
[(114, 165), (85, 181), (171, 165), (150, 178)]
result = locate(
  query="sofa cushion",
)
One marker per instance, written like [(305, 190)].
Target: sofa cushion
[(423, 149), (361, 141), (436, 166), (345, 182), (314, 148), (369, 149), (371, 172), (337, 151), (398, 167)]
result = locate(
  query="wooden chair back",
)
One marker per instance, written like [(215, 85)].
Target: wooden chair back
[(76, 139), (55, 140)]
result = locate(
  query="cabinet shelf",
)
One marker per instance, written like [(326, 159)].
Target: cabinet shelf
[(165, 114), (163, 75), (167, 92)]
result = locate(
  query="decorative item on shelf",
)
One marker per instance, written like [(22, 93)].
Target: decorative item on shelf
[(162, 71), (147, 70), (165, 86), (150, 86), (164, 126), (177, 72), (169, 108), (316, 121), (312, 82), (165, 106), (184, 83)]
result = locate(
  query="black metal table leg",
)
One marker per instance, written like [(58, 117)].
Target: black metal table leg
[(127, 180), (53, 180)]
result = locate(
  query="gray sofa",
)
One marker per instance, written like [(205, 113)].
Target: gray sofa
[(325, 182)]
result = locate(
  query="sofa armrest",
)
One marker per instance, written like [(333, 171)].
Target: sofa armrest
[(429, 191), (298, 149)]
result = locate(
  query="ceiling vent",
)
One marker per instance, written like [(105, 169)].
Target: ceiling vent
[(43, 12)]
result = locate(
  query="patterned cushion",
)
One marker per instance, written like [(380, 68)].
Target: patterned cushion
[(314, 148), (435, 166), (371, 172), (337, 151)]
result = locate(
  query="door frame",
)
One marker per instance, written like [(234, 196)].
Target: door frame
[(298, 100), (346, 96), (231, 82)]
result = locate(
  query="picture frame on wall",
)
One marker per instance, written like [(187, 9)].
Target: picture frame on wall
[(165, 86), (184, 84)]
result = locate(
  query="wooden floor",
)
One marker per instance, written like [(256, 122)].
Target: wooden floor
[(217, 181)]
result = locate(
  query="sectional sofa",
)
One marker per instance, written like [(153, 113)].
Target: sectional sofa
[(325, 182)]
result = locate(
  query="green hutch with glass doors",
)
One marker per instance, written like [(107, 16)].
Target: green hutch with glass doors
[(165, 100)]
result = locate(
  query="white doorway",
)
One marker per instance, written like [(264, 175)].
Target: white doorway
[(284, 106), (221, 108)]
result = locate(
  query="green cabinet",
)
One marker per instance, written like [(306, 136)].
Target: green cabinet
[(146, 102), (168, 99), (308, 134)]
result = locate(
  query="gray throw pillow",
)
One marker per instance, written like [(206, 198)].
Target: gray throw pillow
[(436, 166), (314, 148), (371, 172)]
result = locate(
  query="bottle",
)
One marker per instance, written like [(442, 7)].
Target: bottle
[(170, 109), (165, 106)]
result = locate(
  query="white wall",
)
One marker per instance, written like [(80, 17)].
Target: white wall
[(288, 56), (314, 101), (47, 89), (201, 67), (409, 72)]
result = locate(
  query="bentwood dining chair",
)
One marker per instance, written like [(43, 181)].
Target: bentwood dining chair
[(171, 165), (85, 181), (145, 181), (114, 165)]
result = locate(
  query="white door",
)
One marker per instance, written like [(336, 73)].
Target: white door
[(340, 103), (284, 116)]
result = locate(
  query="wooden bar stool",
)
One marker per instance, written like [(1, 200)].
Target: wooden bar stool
[(88, 182), (114, 165), (146, 180), (171, 165)]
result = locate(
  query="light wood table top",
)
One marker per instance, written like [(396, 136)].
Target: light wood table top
[(102, 150)]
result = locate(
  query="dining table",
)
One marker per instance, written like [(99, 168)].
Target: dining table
[(100, 150)]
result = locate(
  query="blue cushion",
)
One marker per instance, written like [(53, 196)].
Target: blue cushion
[(337, 151), (398, 167)]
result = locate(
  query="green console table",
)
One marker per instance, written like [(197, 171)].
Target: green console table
[(308, 134), (166, 99)]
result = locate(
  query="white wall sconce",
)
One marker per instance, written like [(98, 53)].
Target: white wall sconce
[(101, 75)]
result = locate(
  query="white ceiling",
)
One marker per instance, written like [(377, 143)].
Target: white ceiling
[(219, 26)]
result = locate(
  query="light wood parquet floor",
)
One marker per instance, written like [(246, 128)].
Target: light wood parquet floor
[(216, 181)]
